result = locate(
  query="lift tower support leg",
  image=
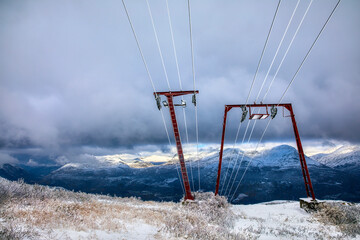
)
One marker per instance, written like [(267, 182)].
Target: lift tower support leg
[(221, 151), (304, 168), (169, 96)]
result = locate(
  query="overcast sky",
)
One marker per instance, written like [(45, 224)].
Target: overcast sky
[(71, 74)]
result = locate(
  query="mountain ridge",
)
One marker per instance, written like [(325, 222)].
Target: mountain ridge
[(273, 174)]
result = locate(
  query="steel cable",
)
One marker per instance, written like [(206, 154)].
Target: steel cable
[(287, 88), (247, 99), (180, 84), (152, 82), (158, 45), (277, 50), (287, 50), (193, 74), (266, 76)]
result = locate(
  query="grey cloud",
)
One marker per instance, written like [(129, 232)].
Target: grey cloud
[(85, 159), (6, 158), (71, 74)]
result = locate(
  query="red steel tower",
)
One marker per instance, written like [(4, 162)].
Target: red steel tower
[(255, 116), (170, 104)]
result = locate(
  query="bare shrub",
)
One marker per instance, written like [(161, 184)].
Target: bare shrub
[(11, 231), (344, 215), (209, 217), (4, 196), (49, 208), (21, 191)]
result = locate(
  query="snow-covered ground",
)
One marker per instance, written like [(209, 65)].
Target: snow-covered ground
[(38, 212), (281, 220)]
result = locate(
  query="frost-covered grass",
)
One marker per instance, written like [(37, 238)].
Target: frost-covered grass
[(344, 215), (281, 220), (40, 212), (209, 218)]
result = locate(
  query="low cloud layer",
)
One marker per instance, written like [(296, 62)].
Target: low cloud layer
[(71, 74), (6, 158)]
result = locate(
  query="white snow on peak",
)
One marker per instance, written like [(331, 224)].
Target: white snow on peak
[(127, 159), (344, 155), (346, 149), (69, 166), (280, 156)]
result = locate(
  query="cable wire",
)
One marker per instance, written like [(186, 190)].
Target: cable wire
[(278, 48), (170, 144), (287, 50), (237, 158), (263, 51), (151, 80), (266, 76), (177, 170), (158, 44), (307, 54), (138, 45), (162, 59), (193, 73), (292, 80), (180, 84), (173, 43), (242, 157), (257, 145), (247, 99)]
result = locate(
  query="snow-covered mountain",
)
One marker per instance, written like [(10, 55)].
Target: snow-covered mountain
[(272, 174), (283, 156), (126, 159), (343, 156), (11, 172), (280, 157)]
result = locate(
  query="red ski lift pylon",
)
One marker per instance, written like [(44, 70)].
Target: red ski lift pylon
[(170, 104), (305, 171)]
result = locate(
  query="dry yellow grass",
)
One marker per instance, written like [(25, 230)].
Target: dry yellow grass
[(39, 212), (38, 208), (79, 216), (345, 216)]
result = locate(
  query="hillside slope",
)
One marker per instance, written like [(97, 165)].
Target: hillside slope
[(38, 212)]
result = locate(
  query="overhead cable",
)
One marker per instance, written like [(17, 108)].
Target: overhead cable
[(247, 99), (266, 76), (151, 80), (287, 50), (158, 45), (257, 145), (307, 54), (277, 50), (292, 80), (193, 73), (180, 84)]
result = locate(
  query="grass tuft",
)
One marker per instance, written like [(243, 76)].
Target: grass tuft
[(209, 217), (346, 216)]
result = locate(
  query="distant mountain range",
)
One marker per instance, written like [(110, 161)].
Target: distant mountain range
[(345, 158), (272, 174)]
